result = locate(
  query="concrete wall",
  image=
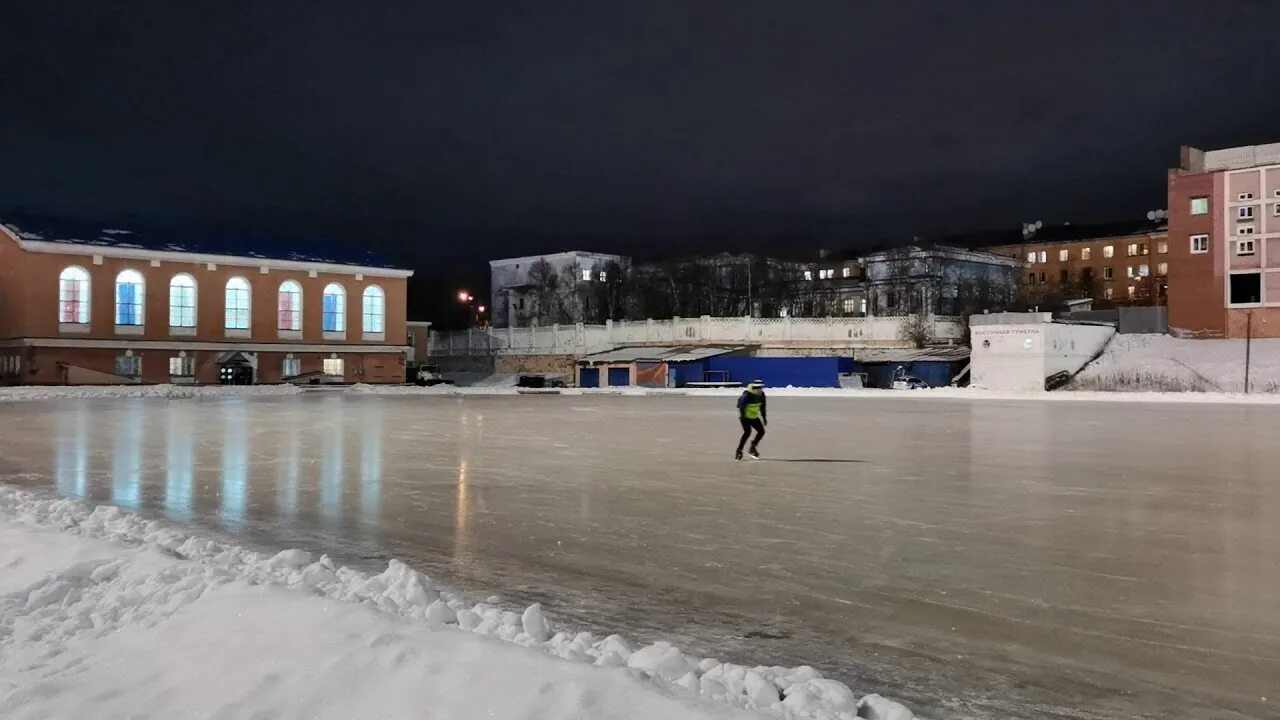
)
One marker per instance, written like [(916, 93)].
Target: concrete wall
[(536, 365), (1019, 357)]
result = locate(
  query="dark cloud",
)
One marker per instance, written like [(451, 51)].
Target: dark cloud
[(452, 132)]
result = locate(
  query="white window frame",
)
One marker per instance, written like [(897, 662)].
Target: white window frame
[(294, 331), (1245, 196), (83, 304), (1132, 250), (1246, 247), (138, 327), (334, 289), (1201, 242), (1248, 229), (1203, 206), (290, 363), (184, 325), (1244, 212), (1043, 256), (334, 367), (374, 324), (186, 366), (1108, 273), (135, 361), (231, 327), (1275, 210)]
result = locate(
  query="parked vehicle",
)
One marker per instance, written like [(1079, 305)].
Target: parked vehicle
[(429, 375), (903, 381)]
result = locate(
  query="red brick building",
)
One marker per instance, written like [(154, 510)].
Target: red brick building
[(1224, 235), (81, 304)]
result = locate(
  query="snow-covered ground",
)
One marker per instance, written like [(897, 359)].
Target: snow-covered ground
[(1146, 363), (105, 614), (63, 392)]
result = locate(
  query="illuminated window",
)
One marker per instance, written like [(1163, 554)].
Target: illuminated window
[(1031, 257), (586, 274), (1162, 269), (182, 302), (375, 309), (291, 367), (335, 308), (289, 306), (808, 275), (73, 296), (1200, 206), (1064, 255), (1162, 247), (1107, 293), (1043, 256), (1086, 253), (182, 366), (334, 367), (237, 305), (1108, 251), (848, 272), (129, 296)]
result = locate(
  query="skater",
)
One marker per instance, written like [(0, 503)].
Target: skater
[(753, 415)]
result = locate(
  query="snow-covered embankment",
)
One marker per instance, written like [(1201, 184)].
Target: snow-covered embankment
[(106, 614)]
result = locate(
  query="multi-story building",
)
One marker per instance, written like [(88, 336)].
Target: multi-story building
[(1224, 236), (1112, 264), (937, 279), (567, 287), (83, 304)]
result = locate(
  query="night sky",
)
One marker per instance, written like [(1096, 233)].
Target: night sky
[(449, 133)]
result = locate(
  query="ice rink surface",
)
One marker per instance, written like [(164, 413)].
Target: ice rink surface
[(984, 559)]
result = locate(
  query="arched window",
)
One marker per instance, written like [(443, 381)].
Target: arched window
[(335, 308), (182, 301), (73, 296), (237, 304), (374, 310), (129, 295), (289, 306)]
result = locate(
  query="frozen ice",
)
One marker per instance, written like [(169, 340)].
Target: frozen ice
[(979, 558)]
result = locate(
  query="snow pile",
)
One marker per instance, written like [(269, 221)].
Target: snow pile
[(182, 624), (172, 392), (1163, 363)]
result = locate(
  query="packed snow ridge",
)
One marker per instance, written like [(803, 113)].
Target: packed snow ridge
[(191, 596), (172, 392)]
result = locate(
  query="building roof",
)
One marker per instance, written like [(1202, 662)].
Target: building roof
[(932, 249), (1049, 234), (656, 354), (190, 241), (948, 353), (566, 255)]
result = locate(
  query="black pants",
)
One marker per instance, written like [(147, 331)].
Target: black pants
[(747, 427)]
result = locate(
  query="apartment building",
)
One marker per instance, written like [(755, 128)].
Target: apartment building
[(1113, 264), (80, 304), (1224, 231)]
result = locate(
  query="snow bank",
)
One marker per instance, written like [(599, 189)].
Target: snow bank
[(1164, 363), (118, 613), (174, 392)]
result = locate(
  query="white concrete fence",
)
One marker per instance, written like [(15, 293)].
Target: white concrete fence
[(706, 330)]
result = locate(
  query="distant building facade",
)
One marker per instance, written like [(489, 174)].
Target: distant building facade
[(1113, 264), (938, 280), (565, 288), (1224, 239), (83, 304)]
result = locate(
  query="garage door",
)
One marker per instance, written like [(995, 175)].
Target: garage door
[(619, 376), (589, 377)]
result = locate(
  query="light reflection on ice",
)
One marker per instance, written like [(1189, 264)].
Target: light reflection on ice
[(126, 465), (235, 464), (179, 464)]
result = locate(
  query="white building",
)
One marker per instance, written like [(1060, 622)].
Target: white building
[(550, 288)]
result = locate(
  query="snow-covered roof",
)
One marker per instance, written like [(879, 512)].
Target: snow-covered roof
[(950, 353), (197, 241), (656, 354)]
